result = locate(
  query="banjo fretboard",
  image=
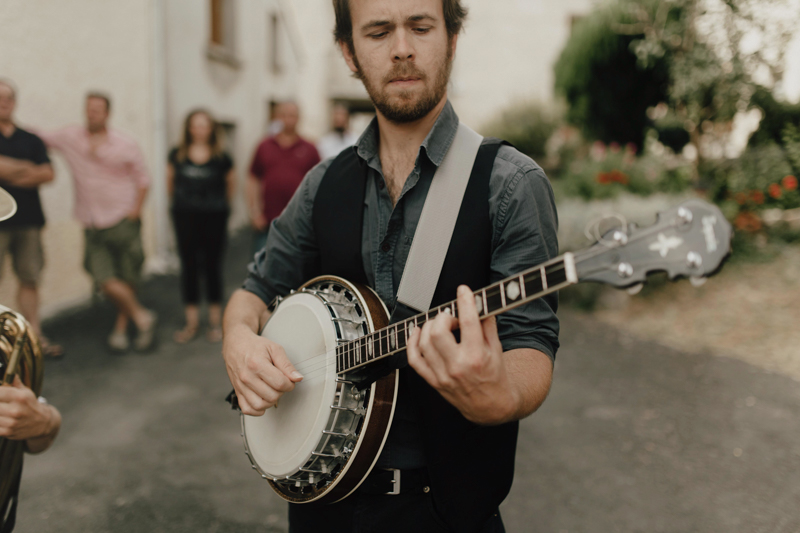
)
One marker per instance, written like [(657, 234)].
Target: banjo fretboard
[(492, 300)]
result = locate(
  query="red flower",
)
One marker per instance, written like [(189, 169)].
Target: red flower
[(789, 183), (619, 177), (747, 221), (757, 197), (741, 198), (631, 148), (604, 178), (775, 191)]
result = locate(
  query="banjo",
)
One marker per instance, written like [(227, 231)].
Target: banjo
[(322, 439)]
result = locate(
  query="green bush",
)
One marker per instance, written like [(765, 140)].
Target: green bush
[(528, 127), (778, 117), (612, 170), (672, 132), (791, 144), (760, 179), (607, 90)]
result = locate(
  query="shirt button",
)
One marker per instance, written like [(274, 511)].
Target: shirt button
[(381, 184), (386, 247)]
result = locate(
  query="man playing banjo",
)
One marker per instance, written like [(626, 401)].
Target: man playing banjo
[(453, 436)]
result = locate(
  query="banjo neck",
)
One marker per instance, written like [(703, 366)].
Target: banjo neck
[(690, 240), (307, 457), (493, 300)]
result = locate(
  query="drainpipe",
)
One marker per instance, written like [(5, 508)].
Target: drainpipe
[(164, 259)]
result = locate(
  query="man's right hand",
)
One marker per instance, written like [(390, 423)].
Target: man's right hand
[(258, 369)]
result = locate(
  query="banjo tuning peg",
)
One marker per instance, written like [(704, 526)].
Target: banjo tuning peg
[(698, 281), (636, 289)]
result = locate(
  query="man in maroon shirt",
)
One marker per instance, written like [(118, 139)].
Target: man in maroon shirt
[(279, 165)]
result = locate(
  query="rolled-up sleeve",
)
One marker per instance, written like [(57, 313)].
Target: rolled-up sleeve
[(525, 223), (291, 254), (57, 139)]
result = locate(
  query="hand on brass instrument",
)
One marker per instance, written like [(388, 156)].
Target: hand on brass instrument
[(472, 374), (22, 416), (259, 370)]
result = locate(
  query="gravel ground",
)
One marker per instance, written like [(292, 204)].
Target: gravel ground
[(750, 311)]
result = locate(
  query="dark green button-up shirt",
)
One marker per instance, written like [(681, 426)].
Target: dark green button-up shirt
[(523, 215)]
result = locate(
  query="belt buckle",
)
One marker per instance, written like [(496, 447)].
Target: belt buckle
[(395, 481)]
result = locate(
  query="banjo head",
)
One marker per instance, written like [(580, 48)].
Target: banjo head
[(282, 440), (324, 437)]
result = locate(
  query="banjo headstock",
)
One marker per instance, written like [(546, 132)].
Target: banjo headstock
[(690, 240)]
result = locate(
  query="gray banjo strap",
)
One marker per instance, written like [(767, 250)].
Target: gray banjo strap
[(436, 225)]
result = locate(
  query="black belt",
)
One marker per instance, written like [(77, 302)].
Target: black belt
[(393, 481)]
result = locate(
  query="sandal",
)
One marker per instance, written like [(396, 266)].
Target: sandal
[(146, 337), (187, 334), (118, 341), (54, 351), (214, 334)]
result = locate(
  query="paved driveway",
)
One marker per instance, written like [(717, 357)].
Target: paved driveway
[(634, 438)]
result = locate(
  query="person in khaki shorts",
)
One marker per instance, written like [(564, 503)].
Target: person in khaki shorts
[(111, 183), (24, 166)]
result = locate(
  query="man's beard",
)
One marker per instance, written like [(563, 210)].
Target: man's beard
[(408, 109)]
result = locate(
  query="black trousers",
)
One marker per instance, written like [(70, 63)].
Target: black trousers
[(369, 513), (201, 240)]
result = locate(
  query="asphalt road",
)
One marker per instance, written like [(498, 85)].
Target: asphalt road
[(634, 437)]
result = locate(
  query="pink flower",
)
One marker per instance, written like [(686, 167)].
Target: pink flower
[(598, 151)]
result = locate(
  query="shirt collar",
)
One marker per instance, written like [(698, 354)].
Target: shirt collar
[(435, 145)]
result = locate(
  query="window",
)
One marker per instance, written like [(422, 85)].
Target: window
[(217, 22), (274, 37), (222, 32)]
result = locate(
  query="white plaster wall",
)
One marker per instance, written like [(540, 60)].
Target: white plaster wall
[(241, 94), (235, 95), (507, 52), (56, 52), (322, 65), (506, 55)]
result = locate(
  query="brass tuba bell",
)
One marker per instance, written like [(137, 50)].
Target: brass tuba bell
[(20, 355)]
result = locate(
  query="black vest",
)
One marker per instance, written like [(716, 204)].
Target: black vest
[(471, 467)]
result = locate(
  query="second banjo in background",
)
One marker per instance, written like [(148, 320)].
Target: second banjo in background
[(323, 438)]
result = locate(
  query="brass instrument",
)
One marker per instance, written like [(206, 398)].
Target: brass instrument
[(20, 355)]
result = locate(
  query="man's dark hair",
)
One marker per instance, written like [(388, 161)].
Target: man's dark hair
[(454, 15), (101, 96)]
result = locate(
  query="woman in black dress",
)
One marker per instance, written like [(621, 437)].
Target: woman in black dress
[(201, 180)]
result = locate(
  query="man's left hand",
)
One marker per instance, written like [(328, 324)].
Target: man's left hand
[(22, 417), (472, 375)]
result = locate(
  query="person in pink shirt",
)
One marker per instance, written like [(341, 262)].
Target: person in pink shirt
[(279, 165), (111, 183)]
